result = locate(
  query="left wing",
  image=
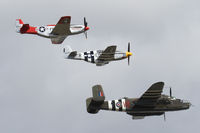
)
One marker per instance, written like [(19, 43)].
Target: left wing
[(108, 53), (150, 97), (58, 40), (63, 26)]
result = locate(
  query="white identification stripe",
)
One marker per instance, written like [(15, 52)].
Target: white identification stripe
[(109, 105), (89, 59), (123, 105)]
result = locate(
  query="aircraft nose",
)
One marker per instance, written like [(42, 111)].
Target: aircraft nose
[(187, 105), (87, 28), (128, 54)]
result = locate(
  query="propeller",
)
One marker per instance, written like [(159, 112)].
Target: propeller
[(170, 92), (128, 53), (164, 117), (85, 34), (86, 28), (85, 22)]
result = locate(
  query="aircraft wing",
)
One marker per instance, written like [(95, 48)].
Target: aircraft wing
[(58, 40), (150, 97), (63, 26), (108, 53)]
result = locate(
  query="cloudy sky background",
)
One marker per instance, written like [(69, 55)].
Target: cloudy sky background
[(40, 92)]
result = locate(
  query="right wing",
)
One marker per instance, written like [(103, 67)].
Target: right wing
[(63, 26), (108, 53), (150, 97)]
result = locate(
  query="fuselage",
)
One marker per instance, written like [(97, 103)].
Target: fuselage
[(92, 57), (164, 103), (45, 31)]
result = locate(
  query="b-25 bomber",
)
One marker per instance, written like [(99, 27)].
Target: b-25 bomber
[(98, 57), (151, 103)]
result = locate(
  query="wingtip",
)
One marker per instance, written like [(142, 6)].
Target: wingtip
[(160, 83)]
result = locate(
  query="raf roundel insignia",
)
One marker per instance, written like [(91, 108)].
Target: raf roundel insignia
[(42, 29), (119, 104)]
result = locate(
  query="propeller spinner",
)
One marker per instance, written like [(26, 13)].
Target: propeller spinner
[(128, 53)]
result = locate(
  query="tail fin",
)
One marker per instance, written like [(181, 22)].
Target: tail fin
[(98, 94), (69, 54), (93, 103), (19, 23), (24, 28)]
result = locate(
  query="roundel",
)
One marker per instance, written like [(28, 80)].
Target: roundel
[(42, 29), (119, 104)]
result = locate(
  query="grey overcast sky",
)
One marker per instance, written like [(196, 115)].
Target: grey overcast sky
[(40, 92)]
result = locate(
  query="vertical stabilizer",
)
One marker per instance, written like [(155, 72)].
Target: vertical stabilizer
[(24, 28), (98, 94), (19, 23)]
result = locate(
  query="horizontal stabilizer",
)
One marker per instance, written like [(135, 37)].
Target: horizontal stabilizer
[(72, 54), (24, 28)]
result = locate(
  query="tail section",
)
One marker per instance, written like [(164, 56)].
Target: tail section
[(69, 53), (19, 23), (94, 103), (24, 28)]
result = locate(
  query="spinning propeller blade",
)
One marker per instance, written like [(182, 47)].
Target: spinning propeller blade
[(86, 28), (85, 22), (164, 117), (170, 92), (129, 47), (129, 53), (85, 34)]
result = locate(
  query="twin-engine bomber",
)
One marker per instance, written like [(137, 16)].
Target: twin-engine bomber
[(98, 57), (151, 103)]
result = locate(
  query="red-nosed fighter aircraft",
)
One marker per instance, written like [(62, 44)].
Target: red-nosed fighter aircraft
[(57, 33)]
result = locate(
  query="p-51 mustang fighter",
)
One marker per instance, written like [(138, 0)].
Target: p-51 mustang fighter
[(98, 57), (152, 102), (57, 33)]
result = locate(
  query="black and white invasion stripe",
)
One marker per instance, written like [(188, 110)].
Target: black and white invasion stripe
[(89, 56), (117, 105)]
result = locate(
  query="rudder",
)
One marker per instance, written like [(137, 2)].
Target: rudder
[(98, 94), (18, 23)]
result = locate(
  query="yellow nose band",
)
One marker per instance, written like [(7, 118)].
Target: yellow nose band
[(128, 54)]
